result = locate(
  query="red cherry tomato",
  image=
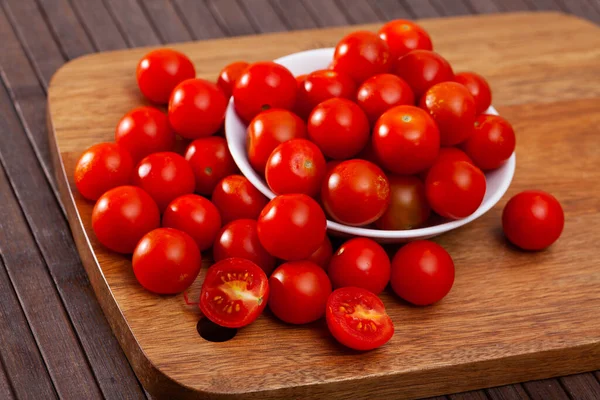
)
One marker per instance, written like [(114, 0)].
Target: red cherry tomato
[(491, 143), (381, 92), (122, 216), (269, 129), (323, 254), (299, 292), (239, 239), (159, 71), (447, 154), (166, 261), (422, 69), (368, 154), (237, 198), (197, 108), (479, 89), (403, 36), (322, 85), (230, 75), (453, 109), (339, 127), (422, 272), (533, 220), (143, 131), (406, 140), (362, 263), (102, 167), (164, 176), (234, 293), (355, 192), (455, 189), (408, 204), (296, 166), (360, 55), (211, 161), (292, 226), (264, 85)]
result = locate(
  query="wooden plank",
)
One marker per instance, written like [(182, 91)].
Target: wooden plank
[(325, 13), (99, 24), (133, 22), (546, 389), (390, 9), (421, 8), (582, 386), (198, 19), (474, 395), (166, 21), (294, 14), (451, 7), (509, 392), (513, 5), (582, 9), (231, 17), (263, 16), (5, 388), (358, 12), (546, 5), (482, 6)]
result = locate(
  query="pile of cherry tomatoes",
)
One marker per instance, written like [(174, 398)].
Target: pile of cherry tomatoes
[(385, 137)]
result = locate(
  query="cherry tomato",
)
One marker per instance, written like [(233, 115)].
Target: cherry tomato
[(381, 92), (166, 261), (403, 36), (408, 205), (447, 154), (296, 166), (237, 198), (164, 176), (491, 143), (368, 154), (533, 220), (453, 109), (422, 69), (143, 131), (322, 85), (406, 140), (234, 293), (102, 167), (339, 127), (159, 71), (455, 189), (211, 161), (292, 226), (323, 254), (230, 75), (299, 292), (197, 108), (122, 216), (196, 216), (479, 89), (269, 129), (360, 55), (355, 192), (264, 85), (357, 319)]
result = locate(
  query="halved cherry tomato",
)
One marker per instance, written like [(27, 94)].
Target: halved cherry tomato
[(478, 87), (408, 207), (381, 92), (211, 161), (403, 36), (491, 143), (362, 54), (322, 85), (237, 198), (159, 71), (230, 75), (447, 154), (323, 254), (422, 69)]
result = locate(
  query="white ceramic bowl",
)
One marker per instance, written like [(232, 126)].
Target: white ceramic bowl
[(305, 62)]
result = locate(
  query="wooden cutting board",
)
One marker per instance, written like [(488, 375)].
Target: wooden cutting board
[(511, 316)]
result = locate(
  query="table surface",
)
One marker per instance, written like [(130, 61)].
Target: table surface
[(55, 340)]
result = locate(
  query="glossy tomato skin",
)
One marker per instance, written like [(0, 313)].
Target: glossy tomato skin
[(196, 216), (268, 130), (166, 261), (403, 36), (197, 108), (362, 263), (406, 140), (237, 198), (159, 71), (357, 319), (164, 176), (264, 85), (143, 131), (211, 161), (455, 189), (323, 254), (122, 216), (322, 85), (533, 220), (355, 192), (381, 92), (292, 226), (296, 166), (452, 107), (491, 143), (229, 75), (408, 207), (422, 272), (299, 292), (422, 69), (339, 127), (360, 55), (447, 154), (239, 239), (102, 167), (479, 89), (234, 292)]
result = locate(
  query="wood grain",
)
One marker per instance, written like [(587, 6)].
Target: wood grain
[(511, 315)]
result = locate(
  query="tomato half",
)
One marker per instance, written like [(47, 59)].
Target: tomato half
[(381, 92), (229, 75), (491, 143), (159, 71), (478, 87), (360, 55), (408, 207), (422, 69), (403, 36), (237, 198), (322, 85), (211, 161)]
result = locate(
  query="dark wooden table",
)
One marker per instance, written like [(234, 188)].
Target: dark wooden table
[(54, 338)]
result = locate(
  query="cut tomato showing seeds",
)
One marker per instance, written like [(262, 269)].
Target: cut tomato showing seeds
[(357, 318), (234, 293)]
